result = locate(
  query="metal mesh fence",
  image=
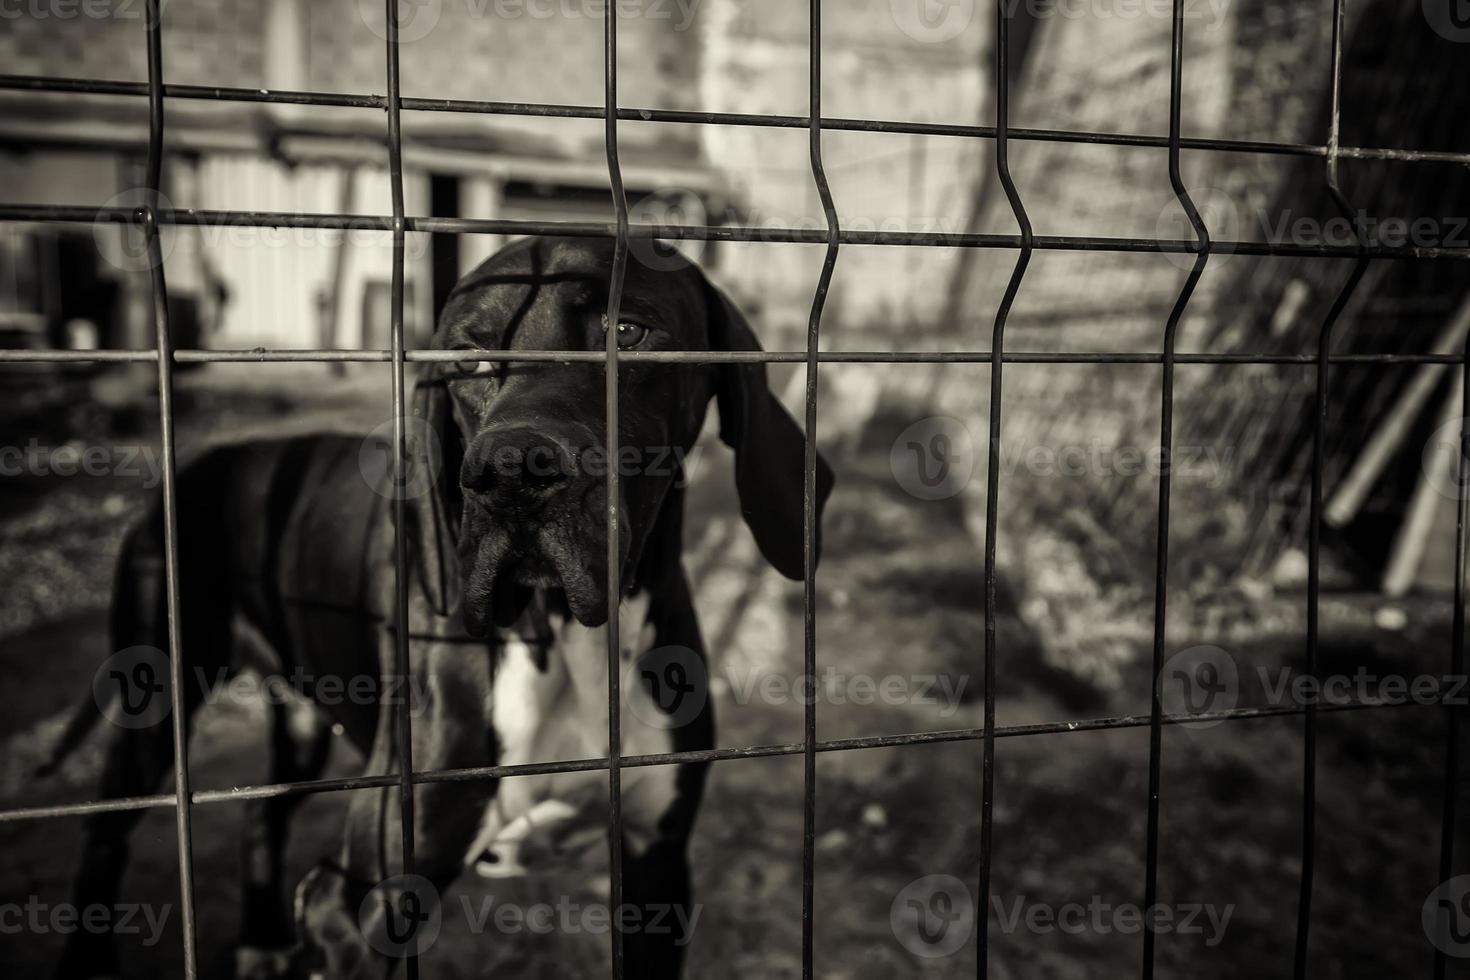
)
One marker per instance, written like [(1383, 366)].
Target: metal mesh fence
[(149, 216)]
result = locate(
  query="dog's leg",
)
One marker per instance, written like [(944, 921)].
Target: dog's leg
[(136, 764), (140, 754), (335, 915), (660, 909), (300, 743), (448, 698), (656, 881)]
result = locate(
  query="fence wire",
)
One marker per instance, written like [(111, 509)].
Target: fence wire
[(150, 216)]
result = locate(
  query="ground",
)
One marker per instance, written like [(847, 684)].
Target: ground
[(900, 597)]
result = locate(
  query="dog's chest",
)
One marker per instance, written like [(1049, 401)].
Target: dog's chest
[(553, 708)]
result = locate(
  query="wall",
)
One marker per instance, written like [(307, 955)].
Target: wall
[(205, 41), (1103, 71), (1089, 73)]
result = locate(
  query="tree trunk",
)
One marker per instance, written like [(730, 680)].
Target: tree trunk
[(1023, 32), (1403, 87)]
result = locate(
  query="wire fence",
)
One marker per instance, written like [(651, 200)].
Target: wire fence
[(150, 216)]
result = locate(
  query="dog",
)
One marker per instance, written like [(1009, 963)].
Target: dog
[(286, 556)]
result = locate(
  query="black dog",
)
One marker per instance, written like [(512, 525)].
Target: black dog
[(288, 543)]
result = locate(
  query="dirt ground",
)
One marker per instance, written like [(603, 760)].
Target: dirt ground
[(901, 595)]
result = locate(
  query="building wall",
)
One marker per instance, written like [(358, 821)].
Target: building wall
[(501, 50), (757, 61), (461, 49), (1086, 73), (206, 42), (1098, 72), (276, 274)]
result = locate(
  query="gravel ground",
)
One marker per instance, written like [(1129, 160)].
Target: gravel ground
[(900, 597)]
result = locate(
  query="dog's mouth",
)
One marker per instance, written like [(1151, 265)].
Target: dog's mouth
[(535, 572), (504, 567)]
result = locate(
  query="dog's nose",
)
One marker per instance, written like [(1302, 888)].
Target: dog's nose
[(519, 465)]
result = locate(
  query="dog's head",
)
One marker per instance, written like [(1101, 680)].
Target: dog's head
[(520, 500)]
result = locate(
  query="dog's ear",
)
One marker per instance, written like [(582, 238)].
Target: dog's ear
[(436, 452), (770, 449)]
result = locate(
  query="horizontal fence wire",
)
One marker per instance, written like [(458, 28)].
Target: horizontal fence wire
[(34, 83), (713, 233), (474, 774), (428, 356)]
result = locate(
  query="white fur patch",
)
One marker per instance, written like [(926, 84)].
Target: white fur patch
[(557, 715)]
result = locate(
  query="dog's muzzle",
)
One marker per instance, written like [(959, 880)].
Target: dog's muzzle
[(519, 469), (535, 518)]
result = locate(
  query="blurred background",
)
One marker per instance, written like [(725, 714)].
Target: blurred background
[(901, 584)]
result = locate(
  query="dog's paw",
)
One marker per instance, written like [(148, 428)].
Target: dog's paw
[(259, 963)]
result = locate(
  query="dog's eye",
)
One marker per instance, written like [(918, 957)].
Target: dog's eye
[(473, 369), (631, 335)]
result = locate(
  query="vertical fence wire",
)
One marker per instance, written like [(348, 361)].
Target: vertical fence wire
[(614, 556), (403, 721), (1166, 449), (1314, 531), (992, 482), (1453, 712), (183, 815), (809, 496)]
